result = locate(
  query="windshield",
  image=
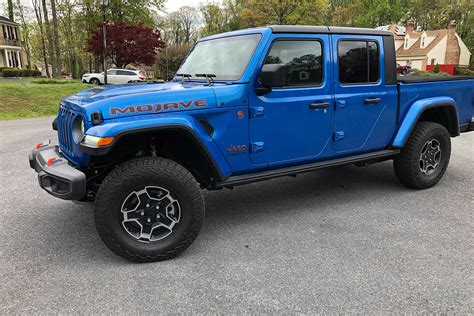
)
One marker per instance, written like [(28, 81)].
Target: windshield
[(227, 57)]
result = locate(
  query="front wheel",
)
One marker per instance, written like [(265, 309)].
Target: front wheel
[(95, 81), (149, 209), (423, 161)]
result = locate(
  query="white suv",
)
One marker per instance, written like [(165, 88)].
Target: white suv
[(114, 76)]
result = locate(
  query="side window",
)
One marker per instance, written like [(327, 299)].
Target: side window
[(111, 72), (130, 73), (358, 62), (303, 61), (122, 73)]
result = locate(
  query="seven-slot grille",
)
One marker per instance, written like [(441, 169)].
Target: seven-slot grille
[(65, 134)]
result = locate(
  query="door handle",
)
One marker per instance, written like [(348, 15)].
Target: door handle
[(372, 100), (318, 105)]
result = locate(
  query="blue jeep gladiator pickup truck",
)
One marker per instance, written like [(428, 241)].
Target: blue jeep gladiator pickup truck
[(246, 106)]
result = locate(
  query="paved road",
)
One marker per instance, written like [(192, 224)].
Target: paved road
[(340, 240)]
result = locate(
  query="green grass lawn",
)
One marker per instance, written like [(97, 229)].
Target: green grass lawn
[(23, 98)]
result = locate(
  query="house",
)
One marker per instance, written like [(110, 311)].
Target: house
[(424, 49), (11, 51)]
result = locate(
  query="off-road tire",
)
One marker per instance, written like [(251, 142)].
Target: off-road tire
[(133, 175), (407, 163)]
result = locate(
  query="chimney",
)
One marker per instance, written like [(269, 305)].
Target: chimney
[(410, 26), (452, 26)]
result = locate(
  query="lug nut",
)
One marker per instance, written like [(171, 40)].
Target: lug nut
[(157, 207), (147, 205), (148, 220), (142, 213)]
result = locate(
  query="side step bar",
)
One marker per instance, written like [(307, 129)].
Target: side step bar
[(288, 171)]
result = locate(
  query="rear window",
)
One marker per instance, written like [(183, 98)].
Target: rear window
[(125, 73), (358, 62)]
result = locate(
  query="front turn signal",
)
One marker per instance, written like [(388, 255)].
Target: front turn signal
[(94, 141), (105, 141)]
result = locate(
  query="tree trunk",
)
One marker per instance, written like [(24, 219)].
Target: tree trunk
[(56, 40), (39, 19), (50, 38)]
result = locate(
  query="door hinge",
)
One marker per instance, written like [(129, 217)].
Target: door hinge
[(340, 104), (257, 147), (257, 111), (338, 136)]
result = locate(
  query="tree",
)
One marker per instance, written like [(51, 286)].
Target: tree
[(169, 59), (11, 16), (127, 44), (57, 50), (188, 20), (214, 19), (260, 13), (39, 20), (49, 36), (25, 31)]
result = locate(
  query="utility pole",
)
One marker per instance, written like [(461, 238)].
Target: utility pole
[(104, 4)]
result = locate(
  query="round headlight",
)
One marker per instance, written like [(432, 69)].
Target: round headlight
[(78, 129)]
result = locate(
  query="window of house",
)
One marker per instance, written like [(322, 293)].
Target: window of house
[(303, 60), (433, 60), (358, 62), (5, 35), (406, 42), (423, 42)]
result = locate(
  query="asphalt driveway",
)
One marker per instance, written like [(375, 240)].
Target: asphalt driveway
[(340, 240)]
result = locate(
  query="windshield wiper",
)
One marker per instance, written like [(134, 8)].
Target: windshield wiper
[(209, 78), (184, 76)]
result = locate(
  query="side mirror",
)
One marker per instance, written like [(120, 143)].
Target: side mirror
[(271, 76)]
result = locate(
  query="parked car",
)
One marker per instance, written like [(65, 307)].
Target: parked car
[(246, 106), (114, 76)]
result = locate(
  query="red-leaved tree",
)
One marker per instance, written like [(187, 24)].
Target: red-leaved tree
[(126, 44)]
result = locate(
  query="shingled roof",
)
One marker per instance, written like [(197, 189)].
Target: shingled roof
[(415, 49), (7, 20)]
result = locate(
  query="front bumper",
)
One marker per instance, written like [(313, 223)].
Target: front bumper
[(57, 177)]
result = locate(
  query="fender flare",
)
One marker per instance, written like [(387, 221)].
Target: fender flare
[(414, 113), (146, 123)]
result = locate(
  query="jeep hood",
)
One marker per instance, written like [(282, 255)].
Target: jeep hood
[(141, 99)]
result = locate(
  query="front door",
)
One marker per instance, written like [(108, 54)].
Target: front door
[(365, 107), (293, 123)]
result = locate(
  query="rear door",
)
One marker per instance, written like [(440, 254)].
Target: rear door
[(365, 107), (293, 122)]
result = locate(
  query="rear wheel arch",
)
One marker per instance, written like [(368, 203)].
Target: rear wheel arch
[(443, 114)]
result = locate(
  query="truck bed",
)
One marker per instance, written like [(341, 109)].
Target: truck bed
[(459, 88)]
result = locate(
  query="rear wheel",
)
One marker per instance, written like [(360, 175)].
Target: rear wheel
[(424, 159), (149, 209)]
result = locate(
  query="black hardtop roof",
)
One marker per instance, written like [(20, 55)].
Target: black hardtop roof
[(310, 29)]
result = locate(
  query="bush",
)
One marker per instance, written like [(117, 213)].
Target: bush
[(465, 72), (429, 74), (53, 81), (14, 72)]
